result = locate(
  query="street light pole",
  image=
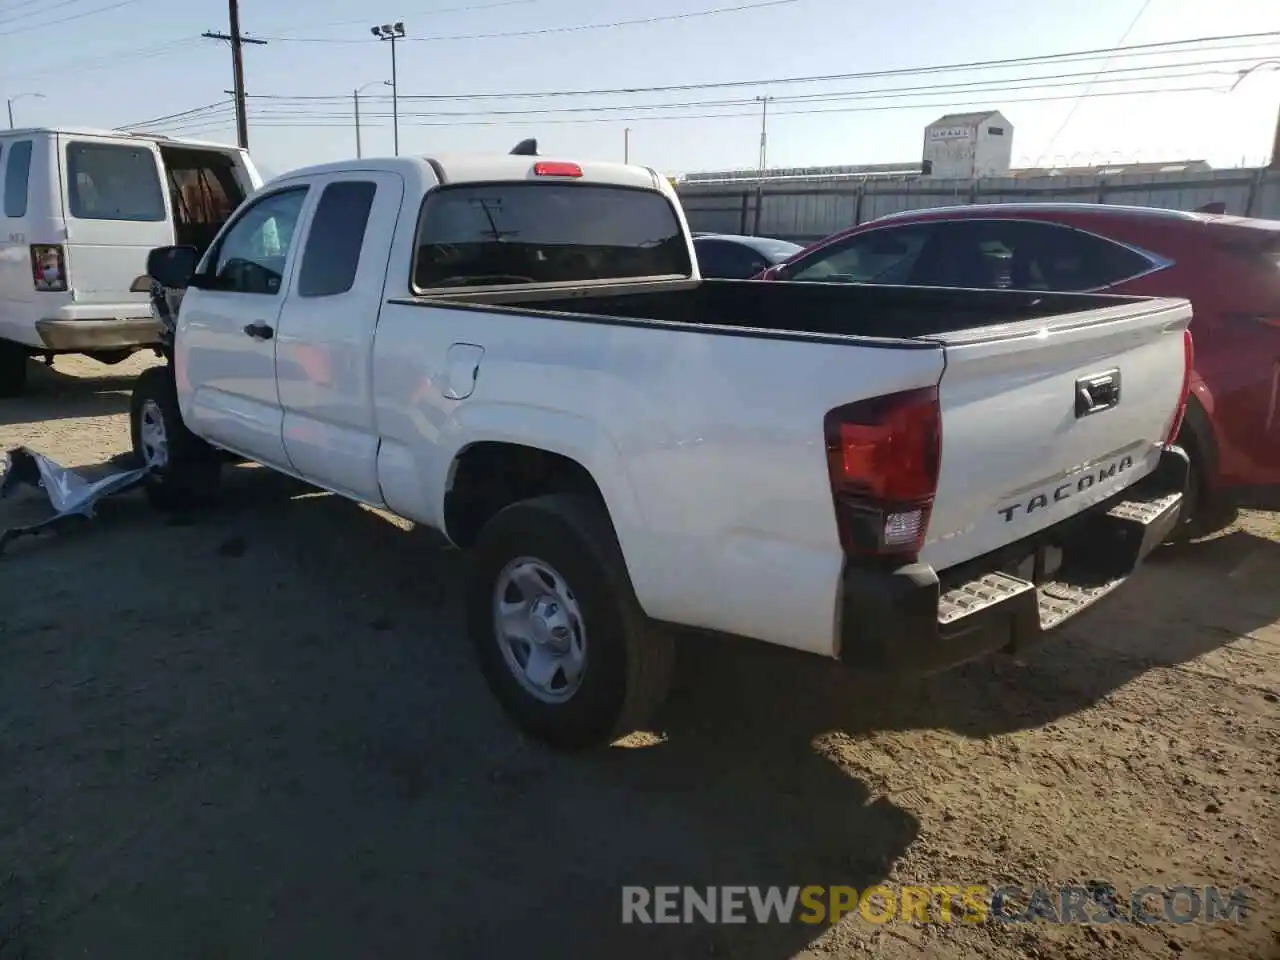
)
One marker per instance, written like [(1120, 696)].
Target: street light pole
[(355, 96), (626, 145), (392, 32), (37, 96)]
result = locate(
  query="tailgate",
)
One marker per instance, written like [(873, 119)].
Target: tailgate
[(1045, 418)]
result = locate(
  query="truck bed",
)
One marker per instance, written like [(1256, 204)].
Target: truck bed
[(874, 311), (1020, 454)]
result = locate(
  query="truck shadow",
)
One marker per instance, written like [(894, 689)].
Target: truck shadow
[(265, 730), (1182, 606), (54, 395)]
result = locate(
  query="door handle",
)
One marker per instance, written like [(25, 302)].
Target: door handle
[(1097, 393), (259, 330)]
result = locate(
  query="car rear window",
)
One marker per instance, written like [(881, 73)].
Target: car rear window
[(108, 181), (511, 233)]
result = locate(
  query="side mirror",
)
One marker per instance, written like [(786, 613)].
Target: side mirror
[(141, 284), (173, 267)]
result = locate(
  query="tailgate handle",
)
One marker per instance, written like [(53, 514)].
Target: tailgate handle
[(1097, 393)]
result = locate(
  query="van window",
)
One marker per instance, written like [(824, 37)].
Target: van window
[(109, 181), (332, 254), (546, 233), (17, 173)]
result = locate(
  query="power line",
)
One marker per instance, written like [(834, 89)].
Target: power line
[(43, 11), (307, 110), (433, 12), (575, 28), (994, 86), (134, 54), (1147, 49), (173, 116), (303, 121), (1076, 106), (46, 24)]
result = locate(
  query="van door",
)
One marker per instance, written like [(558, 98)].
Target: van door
[(225, 357), (116, 211)]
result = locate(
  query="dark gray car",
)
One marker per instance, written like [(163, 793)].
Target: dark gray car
[(727, 257)]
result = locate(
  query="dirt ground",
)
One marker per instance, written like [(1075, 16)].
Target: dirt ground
[(261, 734)]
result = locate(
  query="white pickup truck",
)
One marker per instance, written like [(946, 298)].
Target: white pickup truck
[(520, 353)]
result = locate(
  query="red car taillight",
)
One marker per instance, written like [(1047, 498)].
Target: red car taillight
[(48, 267), (1189, 359), (883, 457)]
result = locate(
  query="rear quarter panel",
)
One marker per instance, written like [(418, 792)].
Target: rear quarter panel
[(708, 448)]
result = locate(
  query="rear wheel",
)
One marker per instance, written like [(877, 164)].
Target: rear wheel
[(185, 471), (13, 369), (557, 629), (1202, 513)]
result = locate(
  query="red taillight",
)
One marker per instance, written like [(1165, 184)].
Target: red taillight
[(1189, 359), (555, 168), (883, 457), (48, 267)]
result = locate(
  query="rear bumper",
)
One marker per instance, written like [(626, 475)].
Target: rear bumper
[(911, 621), (75, 335)]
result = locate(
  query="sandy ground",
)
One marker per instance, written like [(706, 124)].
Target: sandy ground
[(261, 735)]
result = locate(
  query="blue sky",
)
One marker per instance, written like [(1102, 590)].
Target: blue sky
[(105, 63)]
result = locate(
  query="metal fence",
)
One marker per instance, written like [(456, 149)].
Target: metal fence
[(804, 211)]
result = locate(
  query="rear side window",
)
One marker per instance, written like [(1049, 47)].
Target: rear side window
[(506, 233), (17, 173), (332, 254), (108, 181), (1027, 255)]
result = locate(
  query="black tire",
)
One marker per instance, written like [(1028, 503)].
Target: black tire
[(628, 660), (192, 470), (1202, 513), (13, 369)]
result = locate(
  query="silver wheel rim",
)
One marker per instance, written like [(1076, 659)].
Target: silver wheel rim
[(540, 629), (152, 437)]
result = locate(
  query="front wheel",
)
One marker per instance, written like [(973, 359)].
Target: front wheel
[(556, 626), (185, 471)]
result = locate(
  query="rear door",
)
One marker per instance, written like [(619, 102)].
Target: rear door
[(226, 343), (326, 331), (116, 209)]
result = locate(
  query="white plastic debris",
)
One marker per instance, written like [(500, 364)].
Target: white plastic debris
[(70, 494)]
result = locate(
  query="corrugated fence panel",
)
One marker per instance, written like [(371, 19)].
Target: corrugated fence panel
[(809, 210)]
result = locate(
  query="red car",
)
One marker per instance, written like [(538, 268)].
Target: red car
[(1228, 267)]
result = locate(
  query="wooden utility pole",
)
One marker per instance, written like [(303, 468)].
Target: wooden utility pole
[(237, 41)]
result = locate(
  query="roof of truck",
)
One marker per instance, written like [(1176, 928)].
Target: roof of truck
[(482, 168), (116, 134)]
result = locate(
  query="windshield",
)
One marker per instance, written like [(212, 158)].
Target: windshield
[(546, 233)]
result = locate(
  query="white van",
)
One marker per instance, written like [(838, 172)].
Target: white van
[(81, 210)]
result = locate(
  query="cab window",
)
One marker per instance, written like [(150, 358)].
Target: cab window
[(251, 257)]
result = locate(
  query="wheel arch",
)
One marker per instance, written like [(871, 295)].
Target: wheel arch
[(492, 467)]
